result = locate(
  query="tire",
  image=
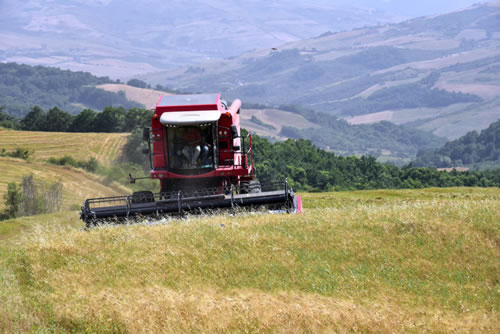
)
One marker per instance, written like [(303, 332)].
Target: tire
[(250, 187), (142, 197)]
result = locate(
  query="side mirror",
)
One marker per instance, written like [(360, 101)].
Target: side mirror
[(234, 131), (145, 134)]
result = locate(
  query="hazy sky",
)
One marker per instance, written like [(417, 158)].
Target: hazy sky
[(413, 8)]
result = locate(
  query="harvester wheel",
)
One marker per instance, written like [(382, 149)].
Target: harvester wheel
[(250, 187), (142, 197)]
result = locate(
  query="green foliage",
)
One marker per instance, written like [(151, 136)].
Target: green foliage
[(133, 150), (32, 197), (310, 168), (473, 148), (413, 95), (111, 119), (23, 86), (84, 121), (57, 120), (257, 121), (21, 153), (137, 83), (91, 165), (12, 199), (170, 90), (386, 56), (7, 121)]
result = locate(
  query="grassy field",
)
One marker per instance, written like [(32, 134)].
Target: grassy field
[(105, 147), (367, 261)]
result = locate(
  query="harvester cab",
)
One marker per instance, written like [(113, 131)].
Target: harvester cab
[(202, 162)]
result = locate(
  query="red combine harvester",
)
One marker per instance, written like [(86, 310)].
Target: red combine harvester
[(201, 161)]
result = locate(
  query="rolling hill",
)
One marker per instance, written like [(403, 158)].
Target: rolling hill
[(477, 150), (437, 73), (122, 38), (105, 147), (386, 141), (22, 87), (144, 96), (267, 122), (77, 183)]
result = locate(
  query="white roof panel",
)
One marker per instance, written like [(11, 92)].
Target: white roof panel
[(189, 117)]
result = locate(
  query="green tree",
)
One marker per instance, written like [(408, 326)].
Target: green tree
[(110, 120), (137, 83), (7, 121), (83, 122), (34, 120), (57, 120), (13, 199)]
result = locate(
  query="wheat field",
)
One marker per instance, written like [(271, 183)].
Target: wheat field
[(367, 261), (77, 184), (105, 147)]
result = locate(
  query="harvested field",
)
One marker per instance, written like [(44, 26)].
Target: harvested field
[(77, 183), (105, 147)]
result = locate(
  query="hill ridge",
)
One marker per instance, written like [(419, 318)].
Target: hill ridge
[(327, 73)]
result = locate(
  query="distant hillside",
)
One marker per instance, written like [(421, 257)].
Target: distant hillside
[(122, 38), (438, 73), (23, 86), (386, 141), (144, 96), (481, 150)]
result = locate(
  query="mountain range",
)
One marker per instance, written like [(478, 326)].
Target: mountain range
[(436, 73), (120, 38)]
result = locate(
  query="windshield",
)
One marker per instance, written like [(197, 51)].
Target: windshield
[(190, 147)]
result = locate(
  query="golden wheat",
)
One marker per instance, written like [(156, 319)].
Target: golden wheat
[(105, 147)]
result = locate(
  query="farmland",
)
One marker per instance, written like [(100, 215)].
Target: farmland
[(77, 184), (365, 261), (105, 147)]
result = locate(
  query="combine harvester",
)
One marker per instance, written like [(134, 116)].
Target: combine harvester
[(202, 162)]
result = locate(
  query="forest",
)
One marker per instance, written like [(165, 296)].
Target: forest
[(24, 86), (473, 149), (111, 119)]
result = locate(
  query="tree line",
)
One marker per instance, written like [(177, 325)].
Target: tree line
[(313, 169), (23, 86), (471, 149), (111, 119), (307, 167)]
